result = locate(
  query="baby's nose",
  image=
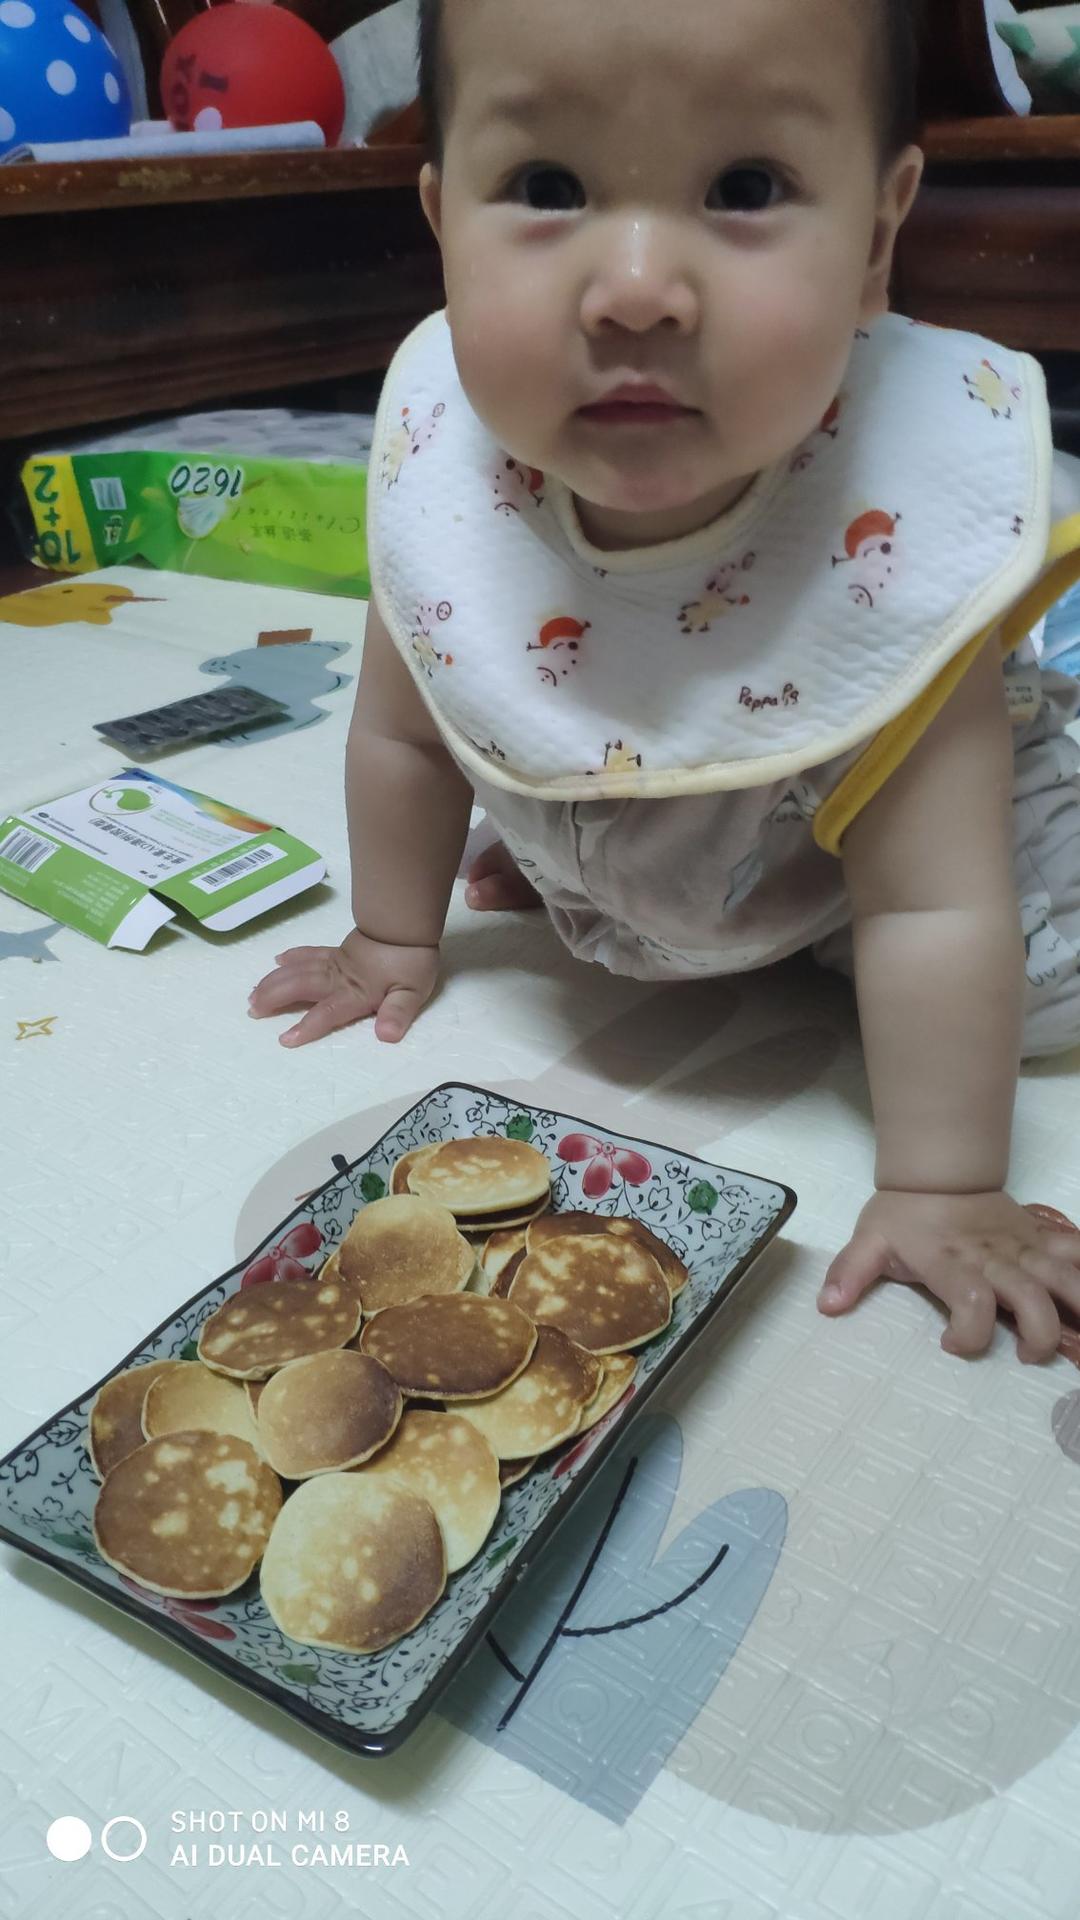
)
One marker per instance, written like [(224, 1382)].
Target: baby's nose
[(641, 278)]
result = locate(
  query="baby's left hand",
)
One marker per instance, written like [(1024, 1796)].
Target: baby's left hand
[(975, 1252)]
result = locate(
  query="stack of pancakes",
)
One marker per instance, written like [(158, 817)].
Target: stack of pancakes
[(487, 1182), (396, 1395)]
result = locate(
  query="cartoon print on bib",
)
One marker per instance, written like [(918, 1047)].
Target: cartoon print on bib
[(757, 702), (424, 620), (829, 427), (516, 486), (870, 543), (620, 758), (408, 438), (989, 387), (718, 599), (561, 640)]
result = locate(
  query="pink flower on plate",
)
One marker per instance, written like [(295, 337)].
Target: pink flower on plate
[(283, 1261), (605, 1163), (190, 1613)]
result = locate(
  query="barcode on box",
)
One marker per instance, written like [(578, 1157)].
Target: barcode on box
[(237, 868), (109, 494), (27, 850)]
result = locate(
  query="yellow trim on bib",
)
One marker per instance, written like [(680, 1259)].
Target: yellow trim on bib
[(893, 744)]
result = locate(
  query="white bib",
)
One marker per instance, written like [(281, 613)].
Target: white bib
[(773, 640)]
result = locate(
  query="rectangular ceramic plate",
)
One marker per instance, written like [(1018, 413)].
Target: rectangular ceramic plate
[(717, 1220)]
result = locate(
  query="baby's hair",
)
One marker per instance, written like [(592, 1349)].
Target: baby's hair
[(898, 56), (896, 67)]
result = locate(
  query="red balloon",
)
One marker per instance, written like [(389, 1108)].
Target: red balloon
[(251, 66)]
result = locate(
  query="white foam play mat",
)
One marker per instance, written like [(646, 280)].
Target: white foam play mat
[(808, 1645)]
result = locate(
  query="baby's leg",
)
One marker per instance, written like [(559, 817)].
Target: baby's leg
[(496, 884)]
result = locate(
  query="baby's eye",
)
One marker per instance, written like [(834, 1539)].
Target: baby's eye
[(548, 189), (744, 190)]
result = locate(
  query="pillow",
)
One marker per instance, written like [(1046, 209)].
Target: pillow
[(1046, 44)]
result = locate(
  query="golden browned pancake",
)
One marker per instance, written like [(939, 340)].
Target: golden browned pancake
[(483, 1177), (481, 1227), (401, 1247), (353, 1562), (543, 1405), (329, 1269), (188, 1514), (511, 1471), (499, 1247), (189, 1396), (619, 1370), (443, 1458), (399, 1179), (115, 1424), (602, 1291), (326, 1412), (257, 1331), (551, 1225), (451, 1346), (502, 1286)]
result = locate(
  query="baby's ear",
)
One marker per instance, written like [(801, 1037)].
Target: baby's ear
[(431, 198), (897, 197)]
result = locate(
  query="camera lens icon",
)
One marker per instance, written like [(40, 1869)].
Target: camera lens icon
[(69, 1838)]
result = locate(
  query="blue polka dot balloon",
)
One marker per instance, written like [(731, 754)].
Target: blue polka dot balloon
[(59, 77)]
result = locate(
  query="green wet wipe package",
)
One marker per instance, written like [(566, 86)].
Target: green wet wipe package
[(119, 860), (293, 519)]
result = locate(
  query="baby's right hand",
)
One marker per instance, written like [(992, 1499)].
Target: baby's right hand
[(341, 984)]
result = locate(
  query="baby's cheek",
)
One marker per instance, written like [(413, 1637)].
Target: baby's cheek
[(510, 369), (791, 373), (795, 321)]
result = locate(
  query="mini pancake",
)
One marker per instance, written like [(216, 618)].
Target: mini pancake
[(499, 1247), (257, 1331), (399, 1179), (443, 1457), (329, 1269), (326, 1412), (503, 1222), (619, 1370), (401, 1247), (190, 1396), (511, 1471), (554, 1224), (482, 1177), (353, 1562), (606, 1293), (451, 1346), (544, 1404), (188, 1514), (505, 1281), (115, 1423)]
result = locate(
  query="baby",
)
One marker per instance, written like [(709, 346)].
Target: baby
[(698, 568)]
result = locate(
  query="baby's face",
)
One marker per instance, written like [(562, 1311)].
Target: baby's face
[(683, 195)]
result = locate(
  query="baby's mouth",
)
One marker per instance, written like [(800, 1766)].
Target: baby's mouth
[(637, 404)]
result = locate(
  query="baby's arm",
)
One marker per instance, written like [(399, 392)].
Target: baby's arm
[(408, 809), (939, 968)]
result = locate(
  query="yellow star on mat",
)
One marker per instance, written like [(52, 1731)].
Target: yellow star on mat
[(29, 1029)]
